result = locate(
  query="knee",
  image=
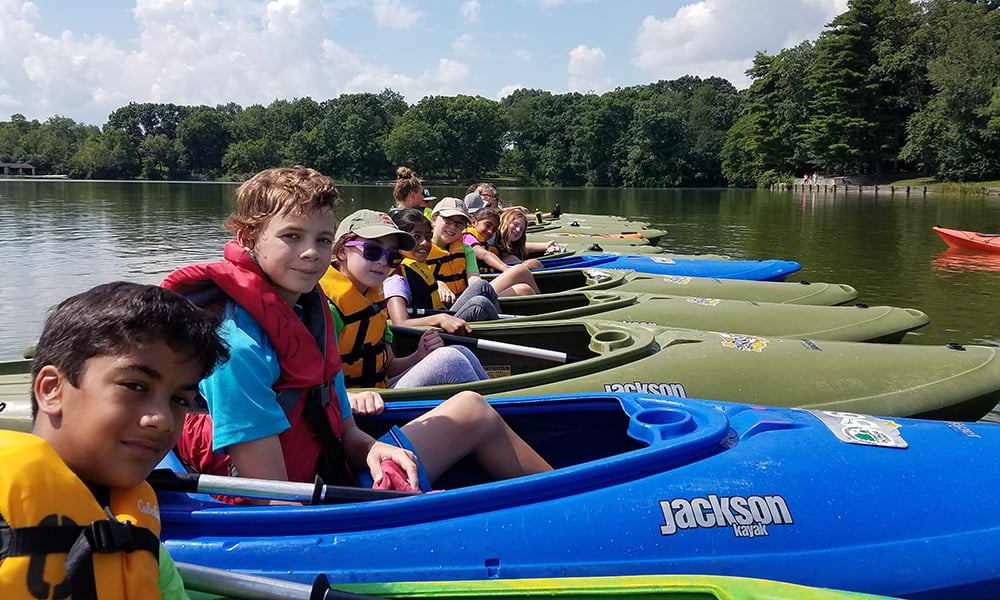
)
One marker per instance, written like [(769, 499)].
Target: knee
[(475, 411)]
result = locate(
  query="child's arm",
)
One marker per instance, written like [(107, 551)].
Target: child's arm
[(170, 584), (471, 267), (430, 341), (492, 260), (363, 451), (450, 323)]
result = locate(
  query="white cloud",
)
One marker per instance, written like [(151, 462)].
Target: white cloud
[(720, 37), (464, 44), (470, 11), (507, 90), (586, 70), (395, 14)]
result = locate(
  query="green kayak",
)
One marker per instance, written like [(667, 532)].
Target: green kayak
[(633, 587), (941, 382), (950, 382), (781, 292), (213, 584), (849, 323)]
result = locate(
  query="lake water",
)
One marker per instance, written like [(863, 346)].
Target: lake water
[(58, 238)]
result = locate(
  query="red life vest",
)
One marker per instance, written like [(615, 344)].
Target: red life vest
[(309, 361)]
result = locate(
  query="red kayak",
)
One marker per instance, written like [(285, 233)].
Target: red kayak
[(970, 240)]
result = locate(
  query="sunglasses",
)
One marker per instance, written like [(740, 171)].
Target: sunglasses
[(372, 252)]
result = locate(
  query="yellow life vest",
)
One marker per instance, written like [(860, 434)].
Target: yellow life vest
[(449, 265), (62, 544), (483, 267), (423, 286), (363, 352)]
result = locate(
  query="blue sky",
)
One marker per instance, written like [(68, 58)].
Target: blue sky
[(82, 59)]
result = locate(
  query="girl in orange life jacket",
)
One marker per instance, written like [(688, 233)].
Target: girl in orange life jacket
[(114, 371), (279, 408), (454, 262), (413, 285), (365, 253)]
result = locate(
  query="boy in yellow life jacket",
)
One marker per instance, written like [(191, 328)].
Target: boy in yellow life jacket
[(114, 372)]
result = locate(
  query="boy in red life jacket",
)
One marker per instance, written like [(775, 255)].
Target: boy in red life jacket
[(279, 408), (114, 371)]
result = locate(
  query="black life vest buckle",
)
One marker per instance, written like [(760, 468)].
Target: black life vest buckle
[(111, 535)]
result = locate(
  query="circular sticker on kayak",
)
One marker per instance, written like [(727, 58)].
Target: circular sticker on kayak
[(746, 343)]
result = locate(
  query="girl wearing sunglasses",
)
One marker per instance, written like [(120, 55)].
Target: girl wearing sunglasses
[(366, 251)]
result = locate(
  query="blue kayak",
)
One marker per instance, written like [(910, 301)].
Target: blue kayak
[(651, 485), (758, 270)]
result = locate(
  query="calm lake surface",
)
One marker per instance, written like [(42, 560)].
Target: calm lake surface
[(58, 238)]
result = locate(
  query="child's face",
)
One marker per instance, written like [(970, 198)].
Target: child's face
[(421, 232), (364, 273), (295, 251), (448, 229), (487, 227), (516, 229), (126, 414)]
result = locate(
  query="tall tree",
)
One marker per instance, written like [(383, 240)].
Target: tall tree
[(841, 133), (951, 136)]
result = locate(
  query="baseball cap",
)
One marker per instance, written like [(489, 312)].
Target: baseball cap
[(451, 207), (428, 197), (474, 202), (373, 225)]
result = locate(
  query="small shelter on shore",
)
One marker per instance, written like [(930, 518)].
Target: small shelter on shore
[(17, 169)]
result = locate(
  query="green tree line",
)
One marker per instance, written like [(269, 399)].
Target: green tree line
[(890, 86)]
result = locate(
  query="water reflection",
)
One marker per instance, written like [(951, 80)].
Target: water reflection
[(956, 260)]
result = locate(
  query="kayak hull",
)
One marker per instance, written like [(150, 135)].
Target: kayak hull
[(938, 382), (941, 382), (969, 240), (759, 270), (860, 323), (653, 486), (782, 292)]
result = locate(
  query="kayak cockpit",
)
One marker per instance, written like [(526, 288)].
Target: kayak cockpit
[(593, 442)]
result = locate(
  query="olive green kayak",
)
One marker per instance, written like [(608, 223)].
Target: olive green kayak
[(860, 323), (581, 237), (942, 382), (781, 292), (213, 584), (951, 382)]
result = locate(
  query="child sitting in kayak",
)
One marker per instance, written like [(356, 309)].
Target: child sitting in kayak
[(480, 237), (366, 251), (114, 372), (413, 286), (279, 408), (513, 244), (454, 262)]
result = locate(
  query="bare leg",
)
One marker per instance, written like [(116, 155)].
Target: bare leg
[(465, 424), (514, 275)]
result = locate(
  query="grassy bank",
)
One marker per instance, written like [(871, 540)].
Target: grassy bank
[(971, 187)]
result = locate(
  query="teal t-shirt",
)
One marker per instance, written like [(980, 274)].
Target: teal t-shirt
[(239, 393)]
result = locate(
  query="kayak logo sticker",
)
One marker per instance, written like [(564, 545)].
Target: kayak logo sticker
[(677, 279), (704, 301), (865, 430), (746, 343), (747, 517), (641, 387)]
